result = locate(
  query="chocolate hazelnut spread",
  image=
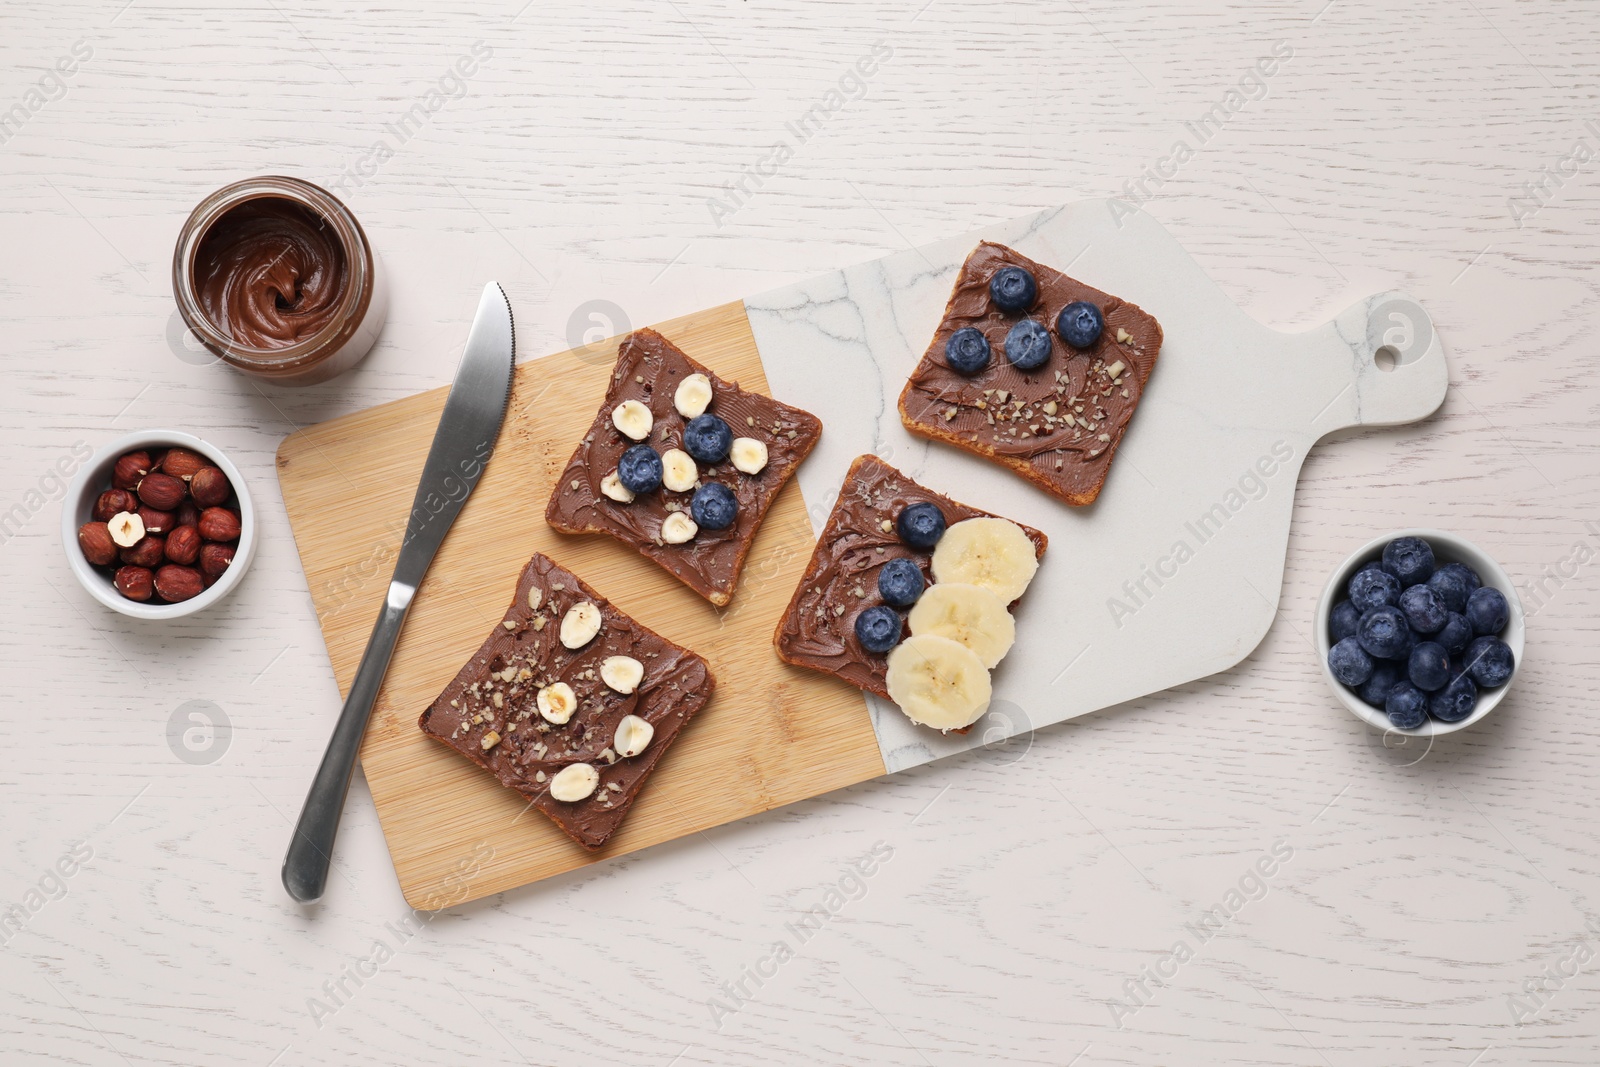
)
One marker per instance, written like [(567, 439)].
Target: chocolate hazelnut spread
[(818, 630), (494, 699), (270, 273), (1058, 425), (649, 369)]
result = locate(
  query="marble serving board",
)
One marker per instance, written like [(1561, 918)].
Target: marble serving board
[(1174, 572)]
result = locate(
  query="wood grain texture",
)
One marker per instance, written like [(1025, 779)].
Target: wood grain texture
[(1026, 886), (772, 734)]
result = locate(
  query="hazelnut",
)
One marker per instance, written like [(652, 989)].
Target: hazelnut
[(175, 584), (186, 515), (130, 469), (183, 545), (219, 524), (157, 522), (126, 528), (214, 559), (209, 487), (135, 583), (95, 540), (162, 491), (182, 464), (113, 501), (148, 552)]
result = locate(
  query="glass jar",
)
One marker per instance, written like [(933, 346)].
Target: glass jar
[(275, 276)]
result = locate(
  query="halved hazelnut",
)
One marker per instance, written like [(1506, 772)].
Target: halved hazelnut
[(126, 529)]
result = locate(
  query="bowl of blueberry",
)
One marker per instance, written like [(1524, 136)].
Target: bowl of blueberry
[(1420, 632)]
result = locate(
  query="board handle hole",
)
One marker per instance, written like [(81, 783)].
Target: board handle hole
[(1387, 358)]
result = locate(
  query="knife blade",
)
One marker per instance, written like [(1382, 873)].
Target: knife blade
[(462, 445)]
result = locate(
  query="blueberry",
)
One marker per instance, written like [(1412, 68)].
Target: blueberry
[(639, 469), (1342, 620), (1453, 583), (1373, 587), (1489, 662), (900, 583), (1079, 324), (1349, 663), (1028, 345), (920, 525), (1488, 611), (1407, 706), (1423, 609), (1456, 634), (1383, 632), (1409, 559), (1385, 676), (878, 628), (708, 439), (967, 351), (1455, 701), (713, 506), (1429, 667), (1466, 572), (1013, 289)]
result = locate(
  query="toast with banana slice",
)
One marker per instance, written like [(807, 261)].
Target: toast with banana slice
[(909, 595)]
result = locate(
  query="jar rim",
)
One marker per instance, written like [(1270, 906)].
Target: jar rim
[(353, 302)]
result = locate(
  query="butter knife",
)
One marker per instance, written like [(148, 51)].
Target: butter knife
[(467, 432)]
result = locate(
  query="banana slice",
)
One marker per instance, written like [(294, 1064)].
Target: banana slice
[(678, 471), (692, 396), (969, 614), (938, 682), (993, 553)]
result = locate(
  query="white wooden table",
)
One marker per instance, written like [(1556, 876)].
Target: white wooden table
[(1018, 899)]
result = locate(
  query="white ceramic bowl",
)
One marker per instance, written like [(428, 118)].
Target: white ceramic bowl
[(95, 478), (1447, 548)]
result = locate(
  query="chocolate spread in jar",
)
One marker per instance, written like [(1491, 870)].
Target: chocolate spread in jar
[(270, 273)]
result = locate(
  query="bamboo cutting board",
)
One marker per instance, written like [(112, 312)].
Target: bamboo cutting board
[(1173, 574), (772, 735)]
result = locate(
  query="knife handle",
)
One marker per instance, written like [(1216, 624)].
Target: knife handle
[(305, 866)]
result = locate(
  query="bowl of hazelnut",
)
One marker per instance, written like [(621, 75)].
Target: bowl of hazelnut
[(158, 525)]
